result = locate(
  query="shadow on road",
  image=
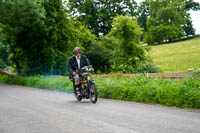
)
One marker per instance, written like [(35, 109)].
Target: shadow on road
[(81, 102)]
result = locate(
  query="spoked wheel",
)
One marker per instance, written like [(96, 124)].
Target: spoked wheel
[(93, 93)]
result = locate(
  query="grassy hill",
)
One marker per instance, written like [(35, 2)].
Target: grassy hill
[(177, 57)]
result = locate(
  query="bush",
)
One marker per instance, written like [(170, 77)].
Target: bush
[(146, 66), (157, 91), (2, 64), (99, 57)]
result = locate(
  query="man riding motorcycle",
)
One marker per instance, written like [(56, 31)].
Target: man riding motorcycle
[(74, 63)]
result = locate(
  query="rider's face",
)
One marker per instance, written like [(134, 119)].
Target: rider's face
[(78, 54)]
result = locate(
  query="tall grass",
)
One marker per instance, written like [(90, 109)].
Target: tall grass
[(184, 94), (156, 91), (61, 84)]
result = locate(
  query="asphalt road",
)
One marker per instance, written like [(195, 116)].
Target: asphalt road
[(32, 110)]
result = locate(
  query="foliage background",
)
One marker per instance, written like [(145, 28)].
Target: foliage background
[(38, 36)]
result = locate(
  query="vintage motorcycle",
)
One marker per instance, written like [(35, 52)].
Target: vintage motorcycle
[(88, 88)]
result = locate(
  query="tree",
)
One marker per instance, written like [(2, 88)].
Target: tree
[(27, 22), (4, 37), (97, 15), (165, 21), (143, 11), (4, 48), (61, 37), (192, 5), (188, 27), (40, 34), (127, 51), (83, 35)]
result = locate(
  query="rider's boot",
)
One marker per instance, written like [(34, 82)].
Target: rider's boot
[(78, 90)]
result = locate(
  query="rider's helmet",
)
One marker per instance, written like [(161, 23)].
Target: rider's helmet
[(77, 50)]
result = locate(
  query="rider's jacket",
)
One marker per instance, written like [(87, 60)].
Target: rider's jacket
[(73, 64)]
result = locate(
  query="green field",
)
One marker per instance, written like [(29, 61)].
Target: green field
[(177, 57)]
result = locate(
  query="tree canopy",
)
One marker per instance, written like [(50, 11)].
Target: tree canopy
[(126, 35), (42, 36), (165, 21), (97, 15), (187, 26)]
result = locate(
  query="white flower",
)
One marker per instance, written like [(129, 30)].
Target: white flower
[(190, 69)]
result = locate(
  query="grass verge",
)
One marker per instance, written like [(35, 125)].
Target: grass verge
[(53, 83), (185, 94)]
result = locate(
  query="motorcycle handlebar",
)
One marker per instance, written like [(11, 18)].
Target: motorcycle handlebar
[(84, 69)]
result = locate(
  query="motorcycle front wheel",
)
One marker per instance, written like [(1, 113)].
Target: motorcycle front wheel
[(93, 93)]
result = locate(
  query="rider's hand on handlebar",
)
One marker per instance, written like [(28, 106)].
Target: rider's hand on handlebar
[(74, 73), (92, 70)]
